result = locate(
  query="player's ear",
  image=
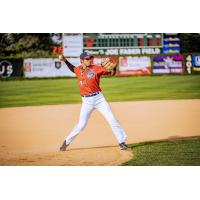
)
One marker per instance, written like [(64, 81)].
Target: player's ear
[(81, 61)]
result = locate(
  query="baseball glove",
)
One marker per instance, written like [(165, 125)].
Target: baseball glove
[(108, 64)]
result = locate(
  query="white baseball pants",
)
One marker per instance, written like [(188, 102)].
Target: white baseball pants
[(88, 105)]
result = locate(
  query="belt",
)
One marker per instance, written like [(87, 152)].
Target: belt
[(91, 95)]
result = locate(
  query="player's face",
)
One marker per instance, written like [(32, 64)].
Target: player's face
[(86, 61)]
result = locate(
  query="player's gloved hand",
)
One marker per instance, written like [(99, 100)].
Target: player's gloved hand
[(62, 58), (109, 64)]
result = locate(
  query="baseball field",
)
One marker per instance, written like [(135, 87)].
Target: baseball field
[(160, 114)]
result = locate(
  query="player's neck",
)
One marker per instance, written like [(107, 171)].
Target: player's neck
[(84, 66)]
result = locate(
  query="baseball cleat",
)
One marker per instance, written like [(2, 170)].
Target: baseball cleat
[(124, 146), (64, 146)]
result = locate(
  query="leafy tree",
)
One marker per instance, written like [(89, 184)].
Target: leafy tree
[(190, 42), (25, 44)]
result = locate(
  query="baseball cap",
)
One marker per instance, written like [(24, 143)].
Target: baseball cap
[(85, 54)]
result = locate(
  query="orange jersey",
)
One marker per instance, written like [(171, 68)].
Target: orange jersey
[(89, 78)]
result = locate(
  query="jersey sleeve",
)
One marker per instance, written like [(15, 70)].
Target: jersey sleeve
[(76, 70), (70, 66), (102, 70)]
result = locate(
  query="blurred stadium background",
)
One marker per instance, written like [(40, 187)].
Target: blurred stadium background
[(28, 55)]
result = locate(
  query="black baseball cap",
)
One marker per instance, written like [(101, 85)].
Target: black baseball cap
[(85, 54)]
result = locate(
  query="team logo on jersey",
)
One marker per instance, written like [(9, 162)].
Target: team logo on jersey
[(91, 73)]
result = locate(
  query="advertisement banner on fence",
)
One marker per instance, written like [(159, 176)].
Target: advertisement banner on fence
[(48, 67), (196, 62), (99, 60), (168, 64), (11, 68), (131, 65)]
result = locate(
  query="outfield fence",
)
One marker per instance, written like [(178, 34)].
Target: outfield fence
[(127, 65)]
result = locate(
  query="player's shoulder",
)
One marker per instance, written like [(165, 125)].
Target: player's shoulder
[(95, 66), (78, 68)]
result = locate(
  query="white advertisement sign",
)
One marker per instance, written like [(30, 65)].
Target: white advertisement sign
[(72, 45), (99, 60), (134, 65), (48, 67)]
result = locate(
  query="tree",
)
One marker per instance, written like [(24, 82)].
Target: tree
[(25, 44), (190, 42)]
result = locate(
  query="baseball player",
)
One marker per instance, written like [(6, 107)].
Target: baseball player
[(92, 98)]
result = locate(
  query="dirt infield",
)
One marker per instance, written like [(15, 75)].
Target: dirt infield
[(32, 135)]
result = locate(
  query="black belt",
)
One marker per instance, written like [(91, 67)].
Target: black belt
[(91, 95)]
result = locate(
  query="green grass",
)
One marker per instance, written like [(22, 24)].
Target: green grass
[(182, 152), (62, 91)]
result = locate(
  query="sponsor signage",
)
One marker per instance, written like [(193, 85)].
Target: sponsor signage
[(167, 64), (48, 67), (131, 65), (11, 68)]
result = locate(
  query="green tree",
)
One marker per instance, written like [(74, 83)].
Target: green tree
[(190, 42), (26, 44)]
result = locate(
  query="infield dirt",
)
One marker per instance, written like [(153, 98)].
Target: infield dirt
[(32, 135)]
